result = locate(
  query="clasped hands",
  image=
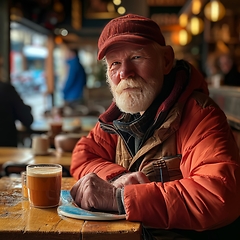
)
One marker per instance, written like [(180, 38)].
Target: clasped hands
[(91, 192)]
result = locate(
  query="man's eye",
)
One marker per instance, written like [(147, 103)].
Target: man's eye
[(115, 64), (136, 57)]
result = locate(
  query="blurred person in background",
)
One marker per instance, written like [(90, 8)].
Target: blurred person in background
[(228, 67), (12, 108), (75, 82), (214, 76)]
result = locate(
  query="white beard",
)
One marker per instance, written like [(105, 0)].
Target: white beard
[(138, 99)]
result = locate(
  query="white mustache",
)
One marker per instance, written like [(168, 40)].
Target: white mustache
[(128, 83)]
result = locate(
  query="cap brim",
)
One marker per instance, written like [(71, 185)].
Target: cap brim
[(132, 39)]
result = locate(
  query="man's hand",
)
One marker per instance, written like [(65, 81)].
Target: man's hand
[(130, 178), (92, 192)]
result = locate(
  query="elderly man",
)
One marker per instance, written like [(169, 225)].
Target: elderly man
[(163, 152)]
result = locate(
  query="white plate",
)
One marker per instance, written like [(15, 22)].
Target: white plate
[(79, 213), (68, 209)]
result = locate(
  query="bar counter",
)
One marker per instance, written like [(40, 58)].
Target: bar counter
[(228, 99)]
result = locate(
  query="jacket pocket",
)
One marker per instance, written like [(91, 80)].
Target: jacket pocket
[(163, 170)]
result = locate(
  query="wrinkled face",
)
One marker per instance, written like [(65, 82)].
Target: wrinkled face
[(135, 75)]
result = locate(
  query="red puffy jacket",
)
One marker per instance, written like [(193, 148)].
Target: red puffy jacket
[(208, 194)]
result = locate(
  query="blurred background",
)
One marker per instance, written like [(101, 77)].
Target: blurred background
[(36, 33)]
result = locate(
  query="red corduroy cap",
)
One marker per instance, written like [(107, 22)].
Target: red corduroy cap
[(129, 28)]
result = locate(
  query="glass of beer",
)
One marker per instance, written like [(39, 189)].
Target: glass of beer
[(56, 127), (44, 184)]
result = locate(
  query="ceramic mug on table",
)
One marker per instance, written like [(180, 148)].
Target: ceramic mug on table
[(40, 144), (44, 184)]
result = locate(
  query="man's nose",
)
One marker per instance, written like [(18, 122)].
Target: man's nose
[(127, 70)]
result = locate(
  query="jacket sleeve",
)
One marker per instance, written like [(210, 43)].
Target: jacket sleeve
[(208, 195), (96, 153)]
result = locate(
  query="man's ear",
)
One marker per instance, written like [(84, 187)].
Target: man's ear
[(168, 59)]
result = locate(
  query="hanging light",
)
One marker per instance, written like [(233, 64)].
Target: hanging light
[(183, 20), (214, 11), (183, 37), (196, 25), (121, 10), (117, 2), (196, 6)]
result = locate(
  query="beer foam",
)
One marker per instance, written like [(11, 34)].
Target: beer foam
[(44, 171)]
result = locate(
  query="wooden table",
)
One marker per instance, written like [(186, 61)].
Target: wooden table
[(24, 156), (20, 221)]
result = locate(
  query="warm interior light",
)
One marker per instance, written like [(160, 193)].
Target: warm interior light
[(196, 7), (196, 25), (121, 10), (183, 20), (214, 11), (184, 37), (117, 2), (58, 40)]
